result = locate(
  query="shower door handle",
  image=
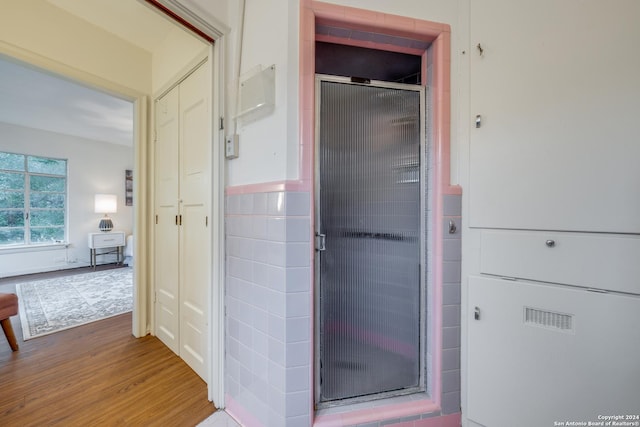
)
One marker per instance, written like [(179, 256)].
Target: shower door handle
[(321, 242)]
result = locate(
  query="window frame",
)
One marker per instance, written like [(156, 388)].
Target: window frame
[(27, 208)]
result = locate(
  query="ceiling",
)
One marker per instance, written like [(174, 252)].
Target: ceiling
[(35, 98), (128, 19)]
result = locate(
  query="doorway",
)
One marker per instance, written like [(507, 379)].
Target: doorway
[(134, 88), (369, 239)]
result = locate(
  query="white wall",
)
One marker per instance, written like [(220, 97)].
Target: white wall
[(93, 167), (264, 143), (269, 147)]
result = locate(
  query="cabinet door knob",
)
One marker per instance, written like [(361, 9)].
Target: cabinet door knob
[(550, 243)]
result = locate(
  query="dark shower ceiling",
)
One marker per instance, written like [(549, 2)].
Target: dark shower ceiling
[(351, 61)]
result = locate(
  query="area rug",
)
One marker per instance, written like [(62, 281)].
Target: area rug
[(52, 305)]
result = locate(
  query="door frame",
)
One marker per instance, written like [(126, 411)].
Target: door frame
[(214, 340), (215, 54), (440, 36)]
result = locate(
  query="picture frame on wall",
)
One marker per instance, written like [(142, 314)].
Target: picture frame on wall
[(128, 187)]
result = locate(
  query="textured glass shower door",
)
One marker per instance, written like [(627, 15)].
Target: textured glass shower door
[(369, 246)]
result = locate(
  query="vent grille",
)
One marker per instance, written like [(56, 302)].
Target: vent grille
[(548, 319)]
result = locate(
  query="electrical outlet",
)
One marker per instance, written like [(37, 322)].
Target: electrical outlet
[(231, 146)]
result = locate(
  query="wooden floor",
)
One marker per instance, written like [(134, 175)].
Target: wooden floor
[(98, 375)]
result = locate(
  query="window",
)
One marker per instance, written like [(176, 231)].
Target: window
[(33, 199)]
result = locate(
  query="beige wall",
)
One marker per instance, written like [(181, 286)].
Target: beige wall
[(169, 59), (40, 31)]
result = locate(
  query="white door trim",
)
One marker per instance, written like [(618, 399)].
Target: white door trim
[(140, 322), (218, 174), (215, 54)]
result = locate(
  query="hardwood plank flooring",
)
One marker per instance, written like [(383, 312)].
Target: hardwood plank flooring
[(98, 375)]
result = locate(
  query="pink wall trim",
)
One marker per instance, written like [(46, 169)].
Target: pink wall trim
[(440, 36), (375, 414), (452, 420), (240, 414), (267, 187)]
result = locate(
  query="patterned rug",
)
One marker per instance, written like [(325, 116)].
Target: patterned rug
[(52, 305)]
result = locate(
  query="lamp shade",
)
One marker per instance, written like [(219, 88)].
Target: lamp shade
[(105, 203)]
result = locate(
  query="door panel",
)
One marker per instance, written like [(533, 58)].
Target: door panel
[(195, 280), (195, 241), (540, 353), (557, 149), (369, 211), (166, 230)]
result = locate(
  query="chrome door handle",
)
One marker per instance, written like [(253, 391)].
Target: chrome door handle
[(321, 242)]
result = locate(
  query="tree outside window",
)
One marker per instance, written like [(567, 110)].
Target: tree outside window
[(33, 198)]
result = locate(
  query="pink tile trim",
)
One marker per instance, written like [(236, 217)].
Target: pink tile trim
[(454, 190), (240, 414), (399, 23), (376, 414), (268, 187), (363, 16), (440, 34), (452, 420)]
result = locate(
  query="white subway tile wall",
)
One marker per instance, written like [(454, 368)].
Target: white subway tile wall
[(269, 306), (268, 363), (452, 211)]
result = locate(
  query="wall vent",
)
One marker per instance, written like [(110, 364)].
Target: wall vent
[(548, 319)]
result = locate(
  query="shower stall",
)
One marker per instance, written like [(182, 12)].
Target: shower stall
[(370, 251)]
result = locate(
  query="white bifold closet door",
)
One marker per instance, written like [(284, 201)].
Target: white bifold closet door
[(182, 235)]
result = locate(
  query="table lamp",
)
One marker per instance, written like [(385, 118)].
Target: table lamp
[(106, 204)]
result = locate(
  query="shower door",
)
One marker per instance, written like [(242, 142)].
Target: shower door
[(368, 240)]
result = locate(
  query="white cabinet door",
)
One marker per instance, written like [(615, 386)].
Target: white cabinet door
[(195, 235), (166, 230), (557, 90), (539, 354), (589, 260)]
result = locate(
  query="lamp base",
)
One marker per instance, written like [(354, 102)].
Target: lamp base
[(105, 224)]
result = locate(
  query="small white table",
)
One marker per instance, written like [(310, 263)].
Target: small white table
[(103, 240)]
